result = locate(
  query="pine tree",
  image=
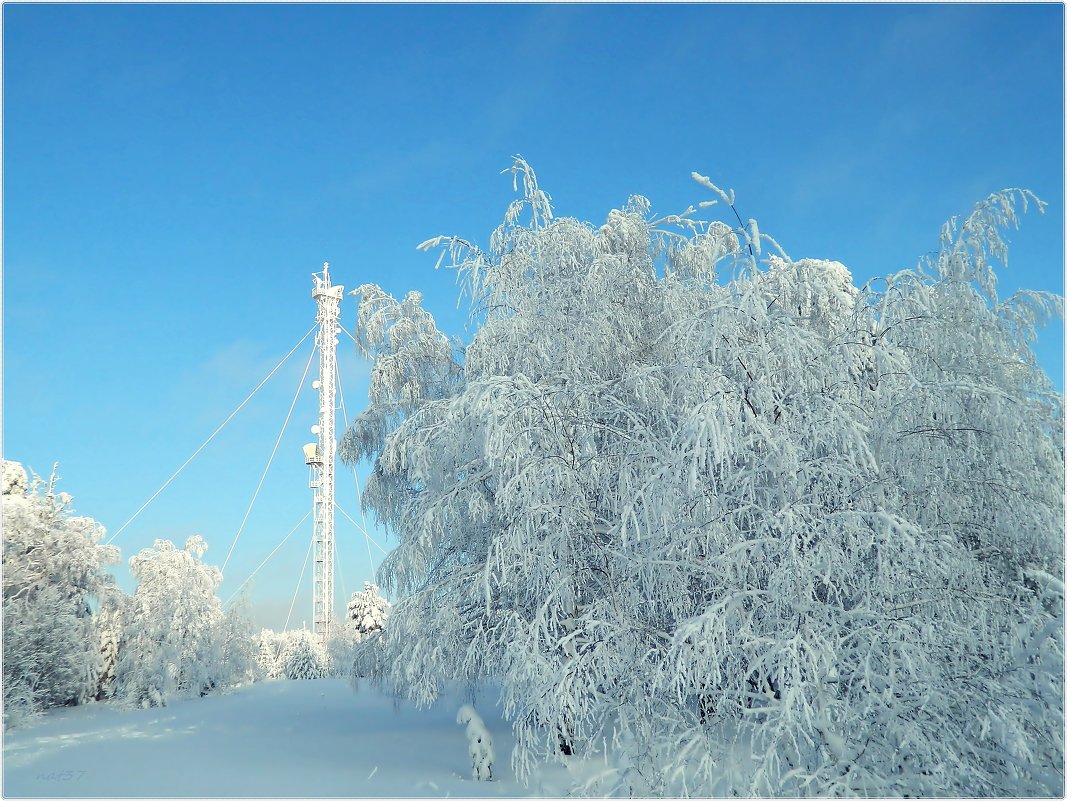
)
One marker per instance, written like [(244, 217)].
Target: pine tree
[(271, 646), (367, 610), (109, 622), (303, 658)]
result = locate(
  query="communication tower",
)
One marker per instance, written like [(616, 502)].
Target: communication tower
[(319, 456)]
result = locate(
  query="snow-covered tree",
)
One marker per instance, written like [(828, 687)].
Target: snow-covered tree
[(668, 493), (53, 567), (367, 610), (15, 482), (298, 654), (353, 646), (967, 433), (341, 649), (303, 657), (174, 640), (271, 645), (109, 622)]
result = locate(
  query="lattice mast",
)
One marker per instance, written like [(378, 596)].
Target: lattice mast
[(320, 456)]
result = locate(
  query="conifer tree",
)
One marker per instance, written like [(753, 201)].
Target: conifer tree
[(367, 610), (303, 657)]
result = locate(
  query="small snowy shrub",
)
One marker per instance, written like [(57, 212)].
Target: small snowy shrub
[(479, 743)]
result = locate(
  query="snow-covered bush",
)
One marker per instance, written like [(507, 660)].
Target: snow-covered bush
[(175, 638), (53, 567), (303, 657), (479, 743), (772, 509)]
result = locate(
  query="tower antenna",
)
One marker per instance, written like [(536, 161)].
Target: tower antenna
[(319, 456)]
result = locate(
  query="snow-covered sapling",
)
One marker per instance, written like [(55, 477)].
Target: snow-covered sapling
[(479, 743)]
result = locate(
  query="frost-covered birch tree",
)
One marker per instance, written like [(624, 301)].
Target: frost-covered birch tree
[(176, 640), (693, 498), (54, 566), (239, 644)]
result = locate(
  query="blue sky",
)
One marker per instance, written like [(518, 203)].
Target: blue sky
[(173, 174)]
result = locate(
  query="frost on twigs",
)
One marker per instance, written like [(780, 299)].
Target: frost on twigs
[(479, 743), (413, 364)]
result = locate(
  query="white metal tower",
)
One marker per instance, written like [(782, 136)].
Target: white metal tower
[(320, 456)]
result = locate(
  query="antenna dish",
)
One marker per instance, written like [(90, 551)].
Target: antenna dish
[(316, 384), (315, 429)]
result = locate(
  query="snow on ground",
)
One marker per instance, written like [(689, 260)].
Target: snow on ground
[(290, 739)]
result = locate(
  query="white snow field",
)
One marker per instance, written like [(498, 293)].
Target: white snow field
[(289, 739)]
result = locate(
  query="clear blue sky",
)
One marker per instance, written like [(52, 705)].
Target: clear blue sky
[(172, 174)]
